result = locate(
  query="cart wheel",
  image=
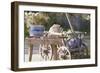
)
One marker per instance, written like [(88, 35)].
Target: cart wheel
[(46, 52), (63, 53)]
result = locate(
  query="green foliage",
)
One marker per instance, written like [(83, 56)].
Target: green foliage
[(49, 18), (26, 33), (40, 18)]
